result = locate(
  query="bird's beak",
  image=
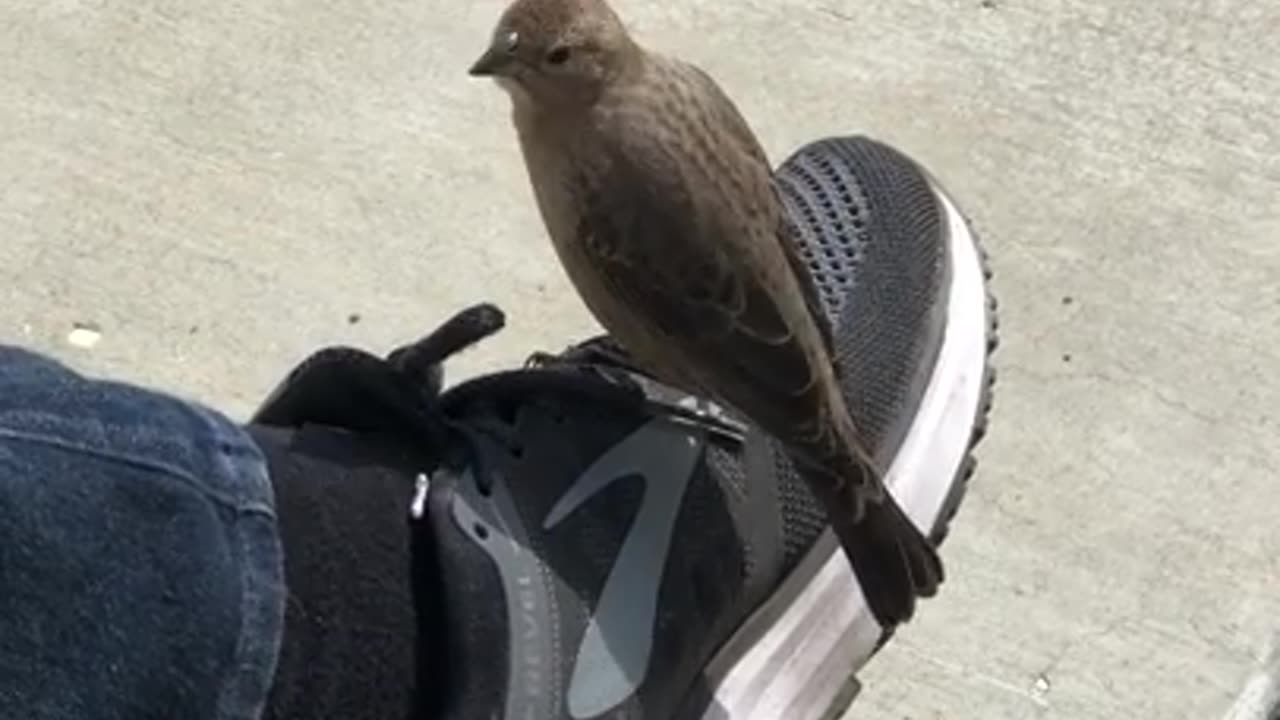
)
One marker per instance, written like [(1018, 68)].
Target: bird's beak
[(491, 63)]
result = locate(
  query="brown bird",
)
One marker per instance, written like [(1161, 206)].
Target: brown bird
[(661, 205)]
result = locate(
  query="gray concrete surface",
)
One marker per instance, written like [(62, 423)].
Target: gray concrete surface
[(221, 187)]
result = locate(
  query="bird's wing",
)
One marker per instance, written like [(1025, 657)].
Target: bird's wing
[(728, 117), (726, 113), (788, 238), (671, 261)]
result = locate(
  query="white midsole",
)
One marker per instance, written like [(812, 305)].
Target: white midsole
[(810, 653)]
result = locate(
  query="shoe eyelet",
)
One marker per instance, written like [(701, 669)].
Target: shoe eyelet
[(481, 531), (418, 506)]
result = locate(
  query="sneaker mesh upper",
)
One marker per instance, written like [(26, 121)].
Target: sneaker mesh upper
[(869, 227)]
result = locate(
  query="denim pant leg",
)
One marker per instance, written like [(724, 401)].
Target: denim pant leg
[(140, 562)]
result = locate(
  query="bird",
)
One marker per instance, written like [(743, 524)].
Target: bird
[(662, 209)]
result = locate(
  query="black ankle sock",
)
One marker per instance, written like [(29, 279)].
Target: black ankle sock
[(352, 631)]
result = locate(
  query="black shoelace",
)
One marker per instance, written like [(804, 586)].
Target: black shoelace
[(402, 395)]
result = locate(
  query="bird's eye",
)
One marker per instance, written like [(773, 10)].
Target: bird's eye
[(558, 55)]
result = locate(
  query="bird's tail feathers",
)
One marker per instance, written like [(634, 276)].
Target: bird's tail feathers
[(894, 561)]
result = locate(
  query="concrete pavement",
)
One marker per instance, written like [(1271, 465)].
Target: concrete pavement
[(218, 188)]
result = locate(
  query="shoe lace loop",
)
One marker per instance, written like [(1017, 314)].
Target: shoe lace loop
[(404, 394)]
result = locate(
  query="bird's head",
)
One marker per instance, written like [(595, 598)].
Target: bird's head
[(557, 53)]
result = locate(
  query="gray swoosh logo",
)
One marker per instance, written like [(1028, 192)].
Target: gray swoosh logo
[(614, 654)]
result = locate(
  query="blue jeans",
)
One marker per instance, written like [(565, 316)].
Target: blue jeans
[(140, 561)]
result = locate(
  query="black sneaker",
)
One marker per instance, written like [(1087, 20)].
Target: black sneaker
[(608, 548)]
